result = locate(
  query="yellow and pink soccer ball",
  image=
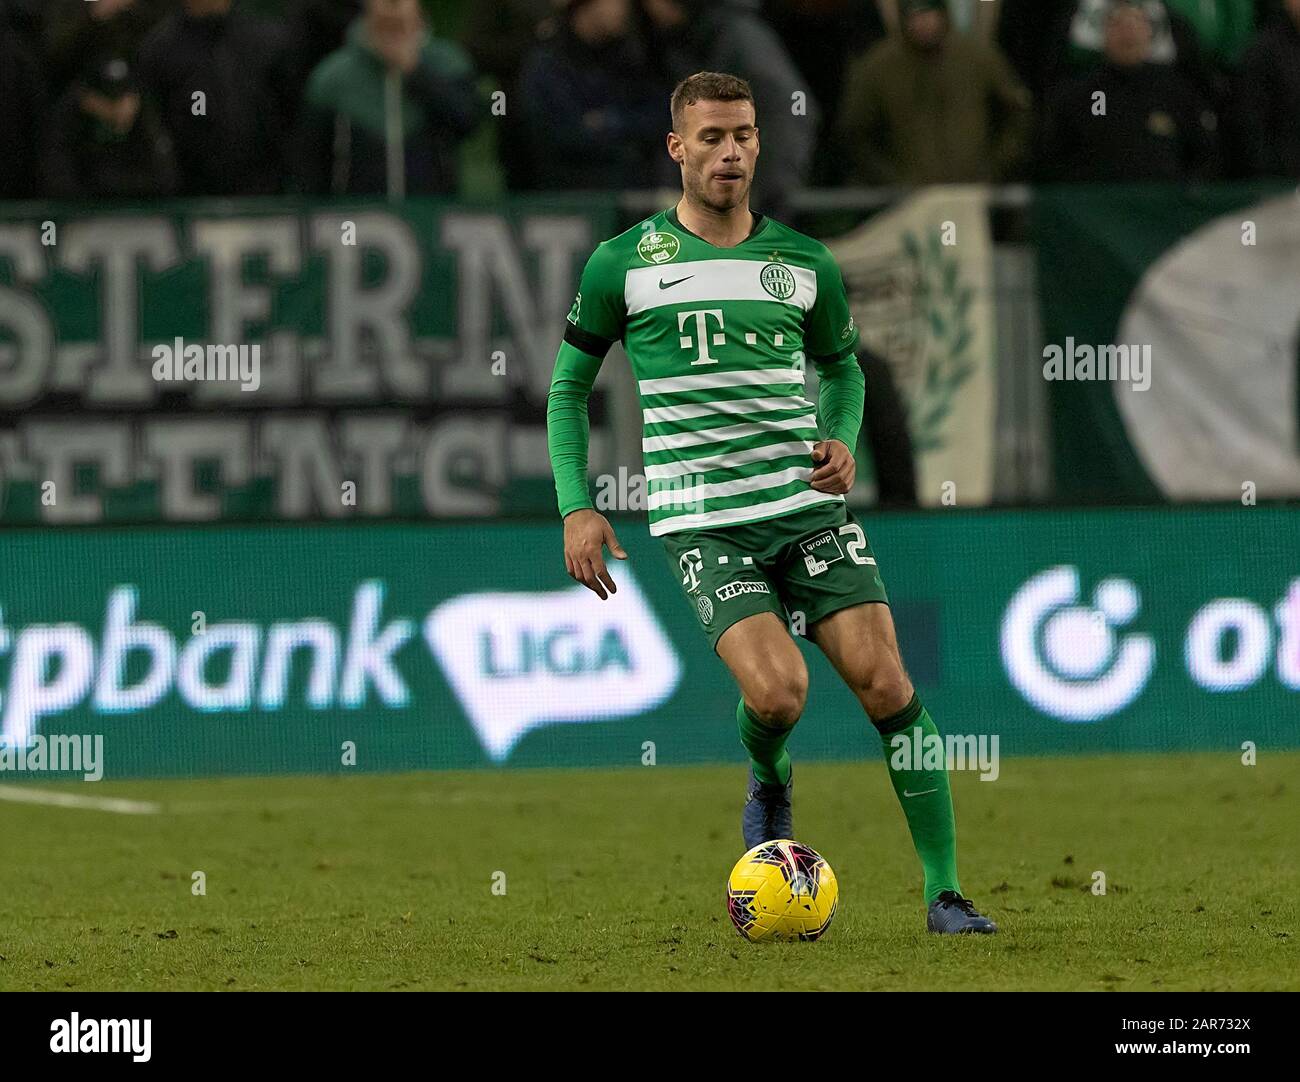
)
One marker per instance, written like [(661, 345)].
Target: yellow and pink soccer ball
[(781, 891)]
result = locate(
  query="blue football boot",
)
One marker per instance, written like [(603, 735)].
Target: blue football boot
[(951, 914), (767, 815)]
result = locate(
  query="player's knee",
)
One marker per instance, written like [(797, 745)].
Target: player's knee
[(779, 699), (885, 690)]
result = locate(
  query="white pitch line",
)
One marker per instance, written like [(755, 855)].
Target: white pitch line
[(24, 795)]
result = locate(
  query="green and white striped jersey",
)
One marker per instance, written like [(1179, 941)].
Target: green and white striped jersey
[(718, 339)]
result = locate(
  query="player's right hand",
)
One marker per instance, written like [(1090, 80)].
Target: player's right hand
[(586, 534)]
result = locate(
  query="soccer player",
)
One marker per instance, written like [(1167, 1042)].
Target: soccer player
[(718, 309)]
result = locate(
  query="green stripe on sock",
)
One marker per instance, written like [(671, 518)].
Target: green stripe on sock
[(928, 809), (766, 747)]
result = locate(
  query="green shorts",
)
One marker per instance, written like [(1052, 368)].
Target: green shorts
[(811, 563)]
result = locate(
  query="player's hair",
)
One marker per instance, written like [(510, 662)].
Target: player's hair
[(707, 86)]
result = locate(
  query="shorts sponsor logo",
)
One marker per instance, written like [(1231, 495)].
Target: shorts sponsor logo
[(691, 564), (735, 589), (820, 552), (706, 609)]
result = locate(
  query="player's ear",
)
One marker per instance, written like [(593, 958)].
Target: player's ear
[(675, 149)]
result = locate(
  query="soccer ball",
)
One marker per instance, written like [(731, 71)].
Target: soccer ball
[(783, 891)]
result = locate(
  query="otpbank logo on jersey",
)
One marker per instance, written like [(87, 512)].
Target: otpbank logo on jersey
[(1085, 662), (517, 661), (658, 247)]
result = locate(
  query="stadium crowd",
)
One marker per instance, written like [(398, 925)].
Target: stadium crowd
[(142, 98)]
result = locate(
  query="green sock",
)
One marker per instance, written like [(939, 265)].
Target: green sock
[(929, 808), (766, 747)]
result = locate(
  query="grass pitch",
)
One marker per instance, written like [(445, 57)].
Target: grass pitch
[(614, 880)]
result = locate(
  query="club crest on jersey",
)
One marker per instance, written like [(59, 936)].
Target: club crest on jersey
[(777, 280), (820, 552), (658, 247), (706, 608)]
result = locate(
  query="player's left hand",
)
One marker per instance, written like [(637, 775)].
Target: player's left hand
[(835, 467)]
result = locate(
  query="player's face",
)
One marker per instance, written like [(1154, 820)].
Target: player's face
[(717, 150)]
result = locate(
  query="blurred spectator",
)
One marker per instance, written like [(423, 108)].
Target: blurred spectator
[(22, 102), (1087, 32), (1174, 43), (732, 36), (931, 106), (79, 34), (1156, 126), (596, 116), (223, 81), (1267, 100), (975, 17), (499, 35), (386, 113), (105, 141)]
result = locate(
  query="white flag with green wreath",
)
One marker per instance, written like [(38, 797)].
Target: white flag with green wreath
[(920, 284)]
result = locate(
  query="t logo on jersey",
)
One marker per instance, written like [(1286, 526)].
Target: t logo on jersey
[(691, 565), (820, 552), (703, 336), (576, 310)]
